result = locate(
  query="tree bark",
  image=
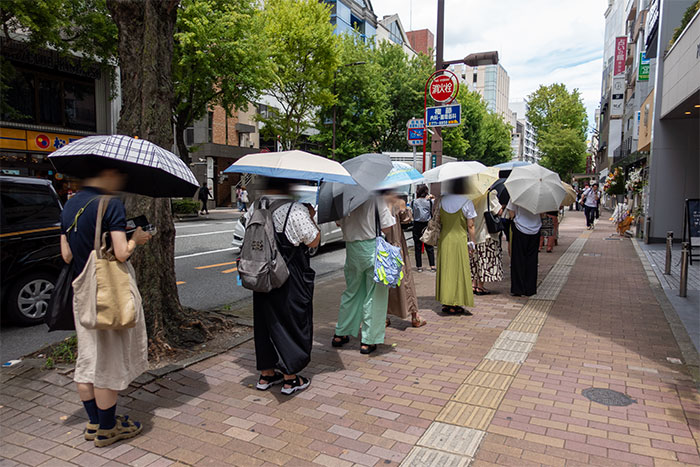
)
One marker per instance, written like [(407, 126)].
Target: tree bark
[(145, 58)]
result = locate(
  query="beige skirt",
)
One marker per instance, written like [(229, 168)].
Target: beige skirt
[(111, 359)]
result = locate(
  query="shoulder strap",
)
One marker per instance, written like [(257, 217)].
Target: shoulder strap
[(101, 209), (74, 225)]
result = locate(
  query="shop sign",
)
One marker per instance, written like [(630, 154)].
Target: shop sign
[(644, 66), (620, 55), (446, 115), (11, 138), (48, 142), (617, 100)]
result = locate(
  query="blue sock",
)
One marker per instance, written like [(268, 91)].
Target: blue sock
[(107, 417), (91, 409)]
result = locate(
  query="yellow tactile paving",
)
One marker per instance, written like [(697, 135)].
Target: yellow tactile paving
[(471, 416), (524, 327), (476, 395), (502, 368), (489, 380)]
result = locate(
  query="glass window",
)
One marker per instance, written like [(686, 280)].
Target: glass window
[(79, 105), (17, 102), (50, 102), (210, 127), (24, 205)]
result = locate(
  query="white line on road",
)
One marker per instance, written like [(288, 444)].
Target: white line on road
[(178, 226), (204, 233), (203, 253)]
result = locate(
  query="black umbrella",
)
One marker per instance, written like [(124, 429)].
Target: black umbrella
[(500, 188)]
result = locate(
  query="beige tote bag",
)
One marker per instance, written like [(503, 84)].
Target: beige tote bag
[(105, 293), (431, 234)]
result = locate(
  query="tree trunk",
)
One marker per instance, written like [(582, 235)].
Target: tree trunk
[(145, 59), (180, 127)]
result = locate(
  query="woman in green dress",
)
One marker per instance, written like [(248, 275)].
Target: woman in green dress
[(453, 288)]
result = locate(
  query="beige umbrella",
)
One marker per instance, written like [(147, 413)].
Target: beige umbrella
[(535, 188), (478, 184), (570, 197)]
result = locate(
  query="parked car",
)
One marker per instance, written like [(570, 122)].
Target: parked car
[(30, 247), (330, 232)]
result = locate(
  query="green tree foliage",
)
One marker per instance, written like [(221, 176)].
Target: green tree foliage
[(560, 123), (219, 58), (482, 136), (303, 54), (687, 16), (563, 151)]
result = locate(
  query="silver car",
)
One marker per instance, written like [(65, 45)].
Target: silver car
[(330, 232)]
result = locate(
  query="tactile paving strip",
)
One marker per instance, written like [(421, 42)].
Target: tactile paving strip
[(477, 395), (455, 440), (466, 415), (426, 457)]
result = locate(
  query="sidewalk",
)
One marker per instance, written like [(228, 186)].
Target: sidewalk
[(501, 387)]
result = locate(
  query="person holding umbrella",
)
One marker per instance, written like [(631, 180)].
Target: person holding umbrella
[(110, 359)]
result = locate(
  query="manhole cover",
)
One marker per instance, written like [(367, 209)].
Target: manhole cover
[(592, 254), (608, 397)]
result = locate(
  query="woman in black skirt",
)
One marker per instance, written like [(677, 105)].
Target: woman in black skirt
[(525, 243), (283, 317)]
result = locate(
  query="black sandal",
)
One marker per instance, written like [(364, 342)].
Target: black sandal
[(297, 384), (452, 310), (343, 340), (277, 378), (366, 349)]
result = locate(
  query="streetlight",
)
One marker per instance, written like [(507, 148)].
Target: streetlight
[(335, 73)]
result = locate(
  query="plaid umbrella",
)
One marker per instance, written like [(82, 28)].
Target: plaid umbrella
[(152, 170)]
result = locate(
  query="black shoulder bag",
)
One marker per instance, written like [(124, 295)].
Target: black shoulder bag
[(494, 223)]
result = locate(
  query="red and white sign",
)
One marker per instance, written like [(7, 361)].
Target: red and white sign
[(442, 88), (620, 55)]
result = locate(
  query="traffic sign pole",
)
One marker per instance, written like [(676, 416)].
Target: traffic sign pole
[(439, 94)]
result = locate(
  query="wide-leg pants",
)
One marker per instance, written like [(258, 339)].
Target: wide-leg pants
[(364, 301), (523, 263)]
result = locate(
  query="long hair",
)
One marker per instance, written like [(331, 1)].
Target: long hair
[(422, 191)]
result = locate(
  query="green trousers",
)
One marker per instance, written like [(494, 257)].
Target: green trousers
[(364, 301)]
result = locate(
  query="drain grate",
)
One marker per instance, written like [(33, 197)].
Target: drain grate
[(608, 397)]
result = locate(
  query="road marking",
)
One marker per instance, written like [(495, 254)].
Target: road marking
[(180, 282), (203, 253), (204, 233), (191, 225), (215, 265), (229, 271)]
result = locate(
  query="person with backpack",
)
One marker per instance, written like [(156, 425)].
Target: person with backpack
[(244, 199), (422, 213), (275, 264)]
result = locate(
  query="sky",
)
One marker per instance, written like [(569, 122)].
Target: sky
[(538, 41)]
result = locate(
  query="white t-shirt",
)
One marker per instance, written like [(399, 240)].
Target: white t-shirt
[(526, 222), (360, 224), (300, 227), (590, 197), (452, 203)]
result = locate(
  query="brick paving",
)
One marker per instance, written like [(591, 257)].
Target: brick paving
[(500, 387)]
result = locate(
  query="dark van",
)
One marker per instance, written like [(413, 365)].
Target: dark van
[(30, 247)]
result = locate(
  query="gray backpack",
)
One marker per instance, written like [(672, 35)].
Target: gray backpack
[(261, 266)]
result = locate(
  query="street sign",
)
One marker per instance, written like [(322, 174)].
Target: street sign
[(442, 88), (644, 66), (415, 136), (415, 123), (446, 115)]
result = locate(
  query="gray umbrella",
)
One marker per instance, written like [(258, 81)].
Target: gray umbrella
[(336, 200)]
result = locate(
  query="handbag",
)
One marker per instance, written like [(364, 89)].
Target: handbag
[(59, 315), (431, 234), (494, 222), (388, 263), (105, 295)]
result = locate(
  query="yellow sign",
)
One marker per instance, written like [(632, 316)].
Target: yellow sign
[(48, 142), (13, 139)]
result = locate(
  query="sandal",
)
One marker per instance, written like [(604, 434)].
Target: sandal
[(91, 431), (366, 349), (124, 429), (277, 378), (339, 343), (297, 384), (452, 310), (481, 291), (417, 321), (433, 268)]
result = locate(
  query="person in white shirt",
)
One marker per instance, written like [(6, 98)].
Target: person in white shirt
[(453, 283), (590, 204), (525, 245), (364, 302)]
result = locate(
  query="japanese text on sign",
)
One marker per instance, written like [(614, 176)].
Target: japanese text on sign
[(447, 115)]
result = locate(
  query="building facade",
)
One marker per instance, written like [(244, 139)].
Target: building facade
[(353, 15), (422, 41), (527, 149), (491, 81), (390, 29)]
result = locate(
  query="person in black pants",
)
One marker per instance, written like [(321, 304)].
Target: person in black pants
[(422, 213), (204, 195)]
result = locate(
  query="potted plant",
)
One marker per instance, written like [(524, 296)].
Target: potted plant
[(615, 184)]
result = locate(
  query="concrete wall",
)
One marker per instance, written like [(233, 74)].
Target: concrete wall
[(682, 68)]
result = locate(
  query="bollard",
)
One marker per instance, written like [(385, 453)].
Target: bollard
[(669, 248), (685, 252), (647, 230)]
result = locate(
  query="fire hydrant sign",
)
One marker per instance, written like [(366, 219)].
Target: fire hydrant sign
[(445, 115), (442, 88)]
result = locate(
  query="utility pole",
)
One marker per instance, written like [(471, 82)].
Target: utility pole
[(436, 138)]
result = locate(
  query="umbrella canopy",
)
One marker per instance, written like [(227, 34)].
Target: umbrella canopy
[(499, 186), (152, 170), (298, 165), (506, 168), (535, 188), (336, 201), (401, 174), (453, 170), (570, 197), (477, 185)]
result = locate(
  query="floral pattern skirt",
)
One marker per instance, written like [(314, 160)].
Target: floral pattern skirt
[(487, 261), (547, 227)]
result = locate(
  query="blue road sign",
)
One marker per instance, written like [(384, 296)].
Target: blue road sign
[(445, 115), (415, 136), (415, 123)]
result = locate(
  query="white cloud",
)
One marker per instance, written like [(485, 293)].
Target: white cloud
[(538, 41)]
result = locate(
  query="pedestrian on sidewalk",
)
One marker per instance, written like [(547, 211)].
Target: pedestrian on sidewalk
[(403, 301), (525, 243), (108, 360), (238, 199), (204, 195), (486, 261), (550, 223), (283, 317), (364, 301), (422, 213), (589, 199), (453, 283), (244, 199)]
